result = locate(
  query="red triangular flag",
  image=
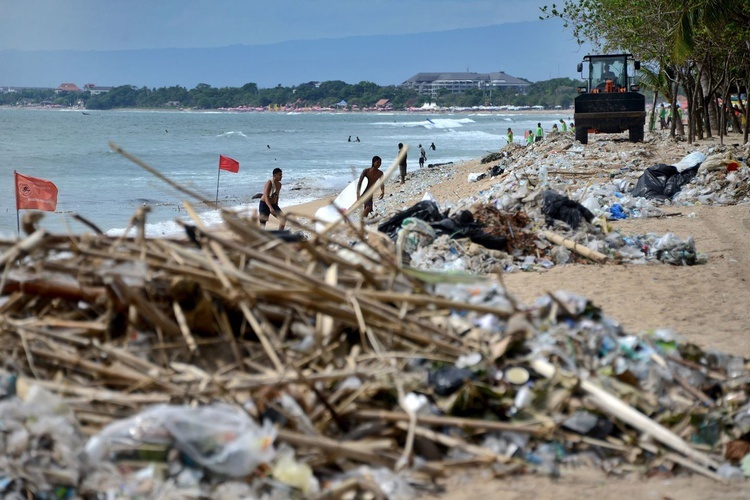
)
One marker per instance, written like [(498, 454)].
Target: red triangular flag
[(228, 164), (33, 193)]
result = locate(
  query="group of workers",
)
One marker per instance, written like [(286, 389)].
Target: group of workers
[(532, 136)]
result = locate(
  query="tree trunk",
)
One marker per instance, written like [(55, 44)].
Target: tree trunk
[(652, 120), (744, 109), (700, 109), (691, 93), (712, 116)]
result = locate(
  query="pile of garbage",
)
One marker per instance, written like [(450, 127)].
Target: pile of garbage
[(604, 174), (568, 206), (487, 239), (254, 366)]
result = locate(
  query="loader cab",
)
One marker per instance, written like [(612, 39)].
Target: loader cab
[(609, 73), (609, 100)]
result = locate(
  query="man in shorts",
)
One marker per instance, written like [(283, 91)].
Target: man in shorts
[(402, 163), (372, 175), (422, 156), (269, 201)]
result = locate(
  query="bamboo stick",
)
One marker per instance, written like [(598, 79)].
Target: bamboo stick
[(614, 406), (572, 245), (524, 428)]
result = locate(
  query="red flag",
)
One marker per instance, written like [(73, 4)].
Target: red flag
[(33, 193), (228, 164)]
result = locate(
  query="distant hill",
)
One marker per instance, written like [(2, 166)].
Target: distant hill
[(535, 51)]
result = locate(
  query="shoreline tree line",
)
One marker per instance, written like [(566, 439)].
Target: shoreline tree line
[(329, 94)]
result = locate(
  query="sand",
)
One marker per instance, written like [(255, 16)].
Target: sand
[(706, 304)]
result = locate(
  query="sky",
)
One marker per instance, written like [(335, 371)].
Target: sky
[(159, 43), (143, 24)]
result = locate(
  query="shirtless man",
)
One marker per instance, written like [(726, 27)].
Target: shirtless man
[(402, 163), (269, 201), (372, 175)]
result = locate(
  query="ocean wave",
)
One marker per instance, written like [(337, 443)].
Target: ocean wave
[(431, 123), (232, 133)]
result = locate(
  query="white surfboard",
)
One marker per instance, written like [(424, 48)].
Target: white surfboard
[(348, 196), (343, 201)]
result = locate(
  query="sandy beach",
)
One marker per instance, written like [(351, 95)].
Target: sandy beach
[(705, 304)]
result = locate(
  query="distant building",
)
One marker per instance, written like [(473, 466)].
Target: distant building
[(458, 83), (383, 103), (95, 89), (67, 87)]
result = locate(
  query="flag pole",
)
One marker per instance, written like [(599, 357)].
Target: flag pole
[(18, 217), (218, 176)]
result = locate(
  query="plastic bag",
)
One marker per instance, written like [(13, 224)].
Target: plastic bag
[(692, 160), (557, 206), (415, 233), (652, 182), (722, 162), (426, 210), (220, 437)]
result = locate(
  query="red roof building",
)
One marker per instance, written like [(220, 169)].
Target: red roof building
[(68, 87)]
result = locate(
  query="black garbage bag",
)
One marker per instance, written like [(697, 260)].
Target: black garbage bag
[(653, 181), (663, 181), (496, 170), (460, 225), (447, 380), (559, 207), (675, 183), (463, 225), (426, 210)]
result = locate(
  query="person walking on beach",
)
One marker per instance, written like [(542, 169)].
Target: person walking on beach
[(539, 133), (402, 163), (372, 174), (529, 138), (269, 201), (662, 117), (510, 135), (422, 156)]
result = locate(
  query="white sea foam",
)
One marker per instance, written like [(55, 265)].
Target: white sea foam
[(431, 123), (232, 133)]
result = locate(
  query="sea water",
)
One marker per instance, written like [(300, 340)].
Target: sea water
[(71, 149)]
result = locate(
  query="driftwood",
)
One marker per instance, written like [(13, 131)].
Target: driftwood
[(572, 245)]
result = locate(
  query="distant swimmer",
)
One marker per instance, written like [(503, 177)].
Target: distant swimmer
[(268, 146), (350, 139), (357, 139), (432, 146)]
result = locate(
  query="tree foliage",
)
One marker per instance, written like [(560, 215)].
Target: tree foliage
[(362, 95)]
